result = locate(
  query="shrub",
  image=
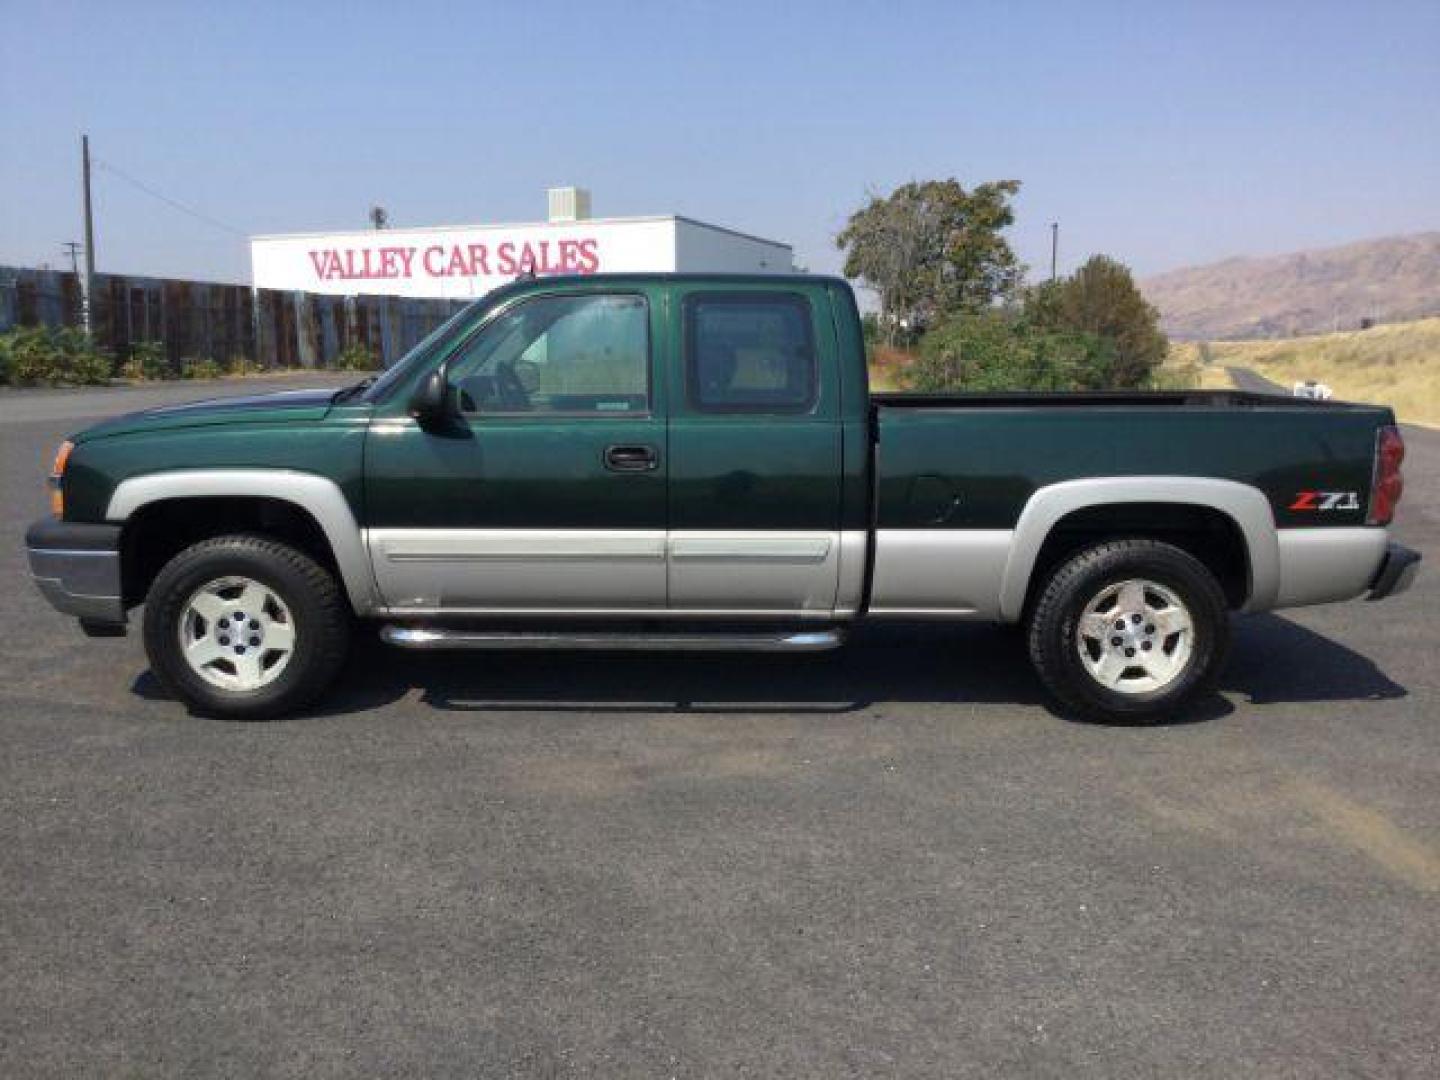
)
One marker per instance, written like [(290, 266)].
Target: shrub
[(30, 358), (39, 356), (201, 369), (7, 350), (357, 356), (81, 363), (146, 361), (995, 350), (240, 364)]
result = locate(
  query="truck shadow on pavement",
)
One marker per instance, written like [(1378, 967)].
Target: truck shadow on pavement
[(1274, 661)]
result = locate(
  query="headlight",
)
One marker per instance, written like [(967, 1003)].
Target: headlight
[(57, 478)]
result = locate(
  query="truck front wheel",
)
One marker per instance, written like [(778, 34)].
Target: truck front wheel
[(1129, 631), (245, 627)]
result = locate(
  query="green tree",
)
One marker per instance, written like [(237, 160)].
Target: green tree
[(930, 248), (870, 328), (991, 349), (1101, 298)]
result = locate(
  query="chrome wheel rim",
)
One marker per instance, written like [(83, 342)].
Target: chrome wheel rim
[(237, 634), (1135, 637)]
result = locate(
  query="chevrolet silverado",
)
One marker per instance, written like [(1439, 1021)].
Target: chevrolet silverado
[(696, 462)]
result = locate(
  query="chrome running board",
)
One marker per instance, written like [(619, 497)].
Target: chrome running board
[(430, 637)]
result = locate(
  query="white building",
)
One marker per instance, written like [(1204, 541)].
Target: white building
[(466, 261)]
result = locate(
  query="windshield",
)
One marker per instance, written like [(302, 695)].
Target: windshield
[(406, 365)]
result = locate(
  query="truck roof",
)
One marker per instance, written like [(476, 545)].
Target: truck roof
[(690, 277)]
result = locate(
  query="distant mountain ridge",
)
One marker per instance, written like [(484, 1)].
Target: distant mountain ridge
[(1388, 279)]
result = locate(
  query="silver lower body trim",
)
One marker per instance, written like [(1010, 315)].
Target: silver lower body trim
[(763, 573), (854, 547), (407, 637), (1320, 566), (759, 570), (317, 496), (939, 573), (81, 583), (457, 570)]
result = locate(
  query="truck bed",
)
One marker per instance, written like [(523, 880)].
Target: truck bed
[(971, 461)]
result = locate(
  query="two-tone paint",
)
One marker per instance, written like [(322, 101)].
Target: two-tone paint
[(935, 507)]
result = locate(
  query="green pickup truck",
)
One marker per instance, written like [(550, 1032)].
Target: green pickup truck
[(696, 462)]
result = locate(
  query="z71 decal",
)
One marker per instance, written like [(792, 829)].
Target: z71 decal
[(1326, 500)]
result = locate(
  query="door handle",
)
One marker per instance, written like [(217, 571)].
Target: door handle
[(631, 458)]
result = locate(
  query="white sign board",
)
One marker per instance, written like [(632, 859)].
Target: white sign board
[(458, 262)]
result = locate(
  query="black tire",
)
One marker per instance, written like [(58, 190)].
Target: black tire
[(320, 613), (1054, 622)]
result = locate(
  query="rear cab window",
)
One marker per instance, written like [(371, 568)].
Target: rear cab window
[(750, 353)]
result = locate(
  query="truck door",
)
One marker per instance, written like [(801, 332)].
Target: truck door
[(755, 452), (548, 495)]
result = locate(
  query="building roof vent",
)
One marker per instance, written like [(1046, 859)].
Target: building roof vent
[(569, 203)]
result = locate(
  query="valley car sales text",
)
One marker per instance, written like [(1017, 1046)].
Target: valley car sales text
[(508, 258)]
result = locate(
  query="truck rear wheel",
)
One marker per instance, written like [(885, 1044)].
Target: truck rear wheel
[(1129, 631), (245, 627)]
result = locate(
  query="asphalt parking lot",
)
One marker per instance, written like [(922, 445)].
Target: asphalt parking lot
[(891, 860)]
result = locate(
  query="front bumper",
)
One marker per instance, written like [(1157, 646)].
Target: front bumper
[(1397, 572), (77, 568)]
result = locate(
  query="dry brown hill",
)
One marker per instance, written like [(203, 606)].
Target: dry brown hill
[(1387, 280)]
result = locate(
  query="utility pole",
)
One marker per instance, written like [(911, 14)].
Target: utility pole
[(1054, 246), (73, 249), (88, 280)]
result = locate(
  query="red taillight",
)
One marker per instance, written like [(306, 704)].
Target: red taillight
[(1387, 485)]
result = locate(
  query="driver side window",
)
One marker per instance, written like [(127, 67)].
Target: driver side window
[(586, 355)]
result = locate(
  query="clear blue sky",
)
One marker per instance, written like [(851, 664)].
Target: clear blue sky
[(1162, 133)]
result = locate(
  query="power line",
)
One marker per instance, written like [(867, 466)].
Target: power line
[(174, 204)]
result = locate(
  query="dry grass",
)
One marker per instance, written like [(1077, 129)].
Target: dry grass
[(1397, 364), (889, 367), (1215, 378), (1186, 368)]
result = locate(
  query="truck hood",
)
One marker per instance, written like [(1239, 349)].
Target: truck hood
[(285, 406)]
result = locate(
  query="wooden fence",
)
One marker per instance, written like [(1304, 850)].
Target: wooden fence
[(198, 320)]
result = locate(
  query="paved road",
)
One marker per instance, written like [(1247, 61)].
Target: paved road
[(1246, 379), (69, 406), (889, 861)]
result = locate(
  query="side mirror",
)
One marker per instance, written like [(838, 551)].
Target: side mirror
[(433, 404)]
